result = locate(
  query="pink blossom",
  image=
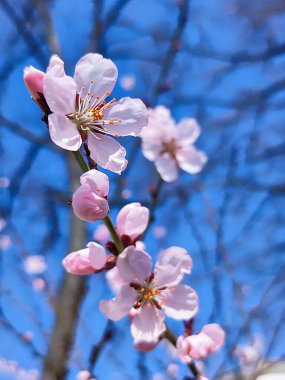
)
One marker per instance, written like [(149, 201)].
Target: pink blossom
[(152, 294), (159, 232), (209, 340), (101, 234), (170, 146), (132, 220), (128, 82), (35, 264), (87, 260), (34, 81), (4, 182), (81, 112), (250, 353), (38, 284), (5, 242), (89, 200)]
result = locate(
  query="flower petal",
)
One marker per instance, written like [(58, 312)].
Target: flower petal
[(93, 67), (180, 302), (97, 255), (133, 114), (97, 181), (148, 324), (188, 131), (134, 265), (132, 220), (191, 160), (171, 265), (59, 89), (216, 334), (63, 132), (119, 306), (89, 206), (166, 167), (78, 262), (107, 152)]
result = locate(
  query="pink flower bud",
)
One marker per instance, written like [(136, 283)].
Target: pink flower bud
[(89, 201), (199, 346), (34, 81), (132, 220), (87, 260), (78, 262)]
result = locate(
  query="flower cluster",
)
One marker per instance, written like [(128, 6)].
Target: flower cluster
[(77, 112)]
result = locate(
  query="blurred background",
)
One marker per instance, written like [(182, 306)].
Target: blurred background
[(221, 62)]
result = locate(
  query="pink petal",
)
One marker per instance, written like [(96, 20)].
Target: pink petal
[(97, 181), (166, 167), (78, 262), (107, 152), (115, 281), (97, 255), (34, 81), (183, 349), (151, 147), (148, 324), (133, 114), (89, 206), (188, 131), (59, 89), (191, 160), (171, 265), (63, 132), (132, 220), (217, 335), (93, 67), (119, 306), (134, 265), (180, 302)]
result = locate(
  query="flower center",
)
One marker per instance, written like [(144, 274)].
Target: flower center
[(89, 112), (170, 147), (148, 293)]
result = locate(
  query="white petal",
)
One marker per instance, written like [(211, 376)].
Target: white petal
[(119, 306), (148, 324), (188, 131), (133, 114), (59, 89), (191, 160), (134, 265), (107, 152), (180, 302), (93, 67), (63, 132), (166, 167), (171, 265)]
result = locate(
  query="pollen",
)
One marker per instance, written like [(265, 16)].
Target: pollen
[(107, 93)]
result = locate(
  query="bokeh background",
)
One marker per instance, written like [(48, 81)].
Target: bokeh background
[(221, 62)]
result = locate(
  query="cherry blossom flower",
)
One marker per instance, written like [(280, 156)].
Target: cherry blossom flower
[(132, 220), (128, 82), (250, 353), (151, 294), (80, 112), (170, 146), (83, 375), (34, 81), (86, 261), (89, 200), (209, 340), (35, 264), (5, 242)]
